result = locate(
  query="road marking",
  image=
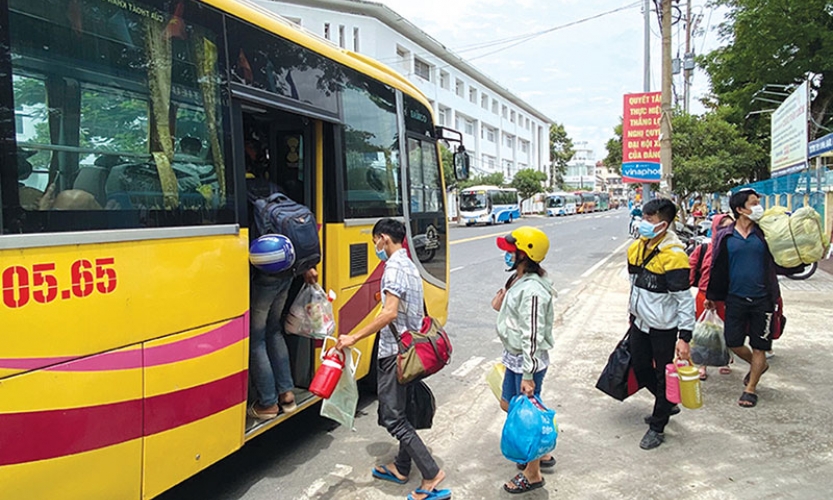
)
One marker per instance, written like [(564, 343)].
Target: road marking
[(599, 264), (481, 237), (457, 269), (469, 365), (313, 489)]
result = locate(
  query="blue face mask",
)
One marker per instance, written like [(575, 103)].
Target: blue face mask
[(381, 254), (509, 259), (648, 230)]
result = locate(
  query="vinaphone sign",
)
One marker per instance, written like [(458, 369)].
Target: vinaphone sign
[(640, 137)]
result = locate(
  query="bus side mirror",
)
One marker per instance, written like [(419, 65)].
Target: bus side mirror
[(461, 164)]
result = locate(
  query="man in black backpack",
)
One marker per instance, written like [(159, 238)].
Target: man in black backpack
[(268, 355)]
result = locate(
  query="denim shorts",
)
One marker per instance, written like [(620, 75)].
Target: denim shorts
[(512, 384)]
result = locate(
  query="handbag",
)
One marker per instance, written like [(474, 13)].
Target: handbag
[(421, 353), (618, 380), (421, 405)]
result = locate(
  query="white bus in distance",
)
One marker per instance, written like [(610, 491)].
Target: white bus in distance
[(488, 205)]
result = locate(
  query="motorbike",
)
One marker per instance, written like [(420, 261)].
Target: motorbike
[(806, 273)]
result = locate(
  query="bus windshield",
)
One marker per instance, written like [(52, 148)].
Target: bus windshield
[(555, 202), (473, 201)]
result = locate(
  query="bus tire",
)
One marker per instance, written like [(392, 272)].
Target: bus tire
[(509, 220)]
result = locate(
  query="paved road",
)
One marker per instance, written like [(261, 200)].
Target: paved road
[(310, 457)]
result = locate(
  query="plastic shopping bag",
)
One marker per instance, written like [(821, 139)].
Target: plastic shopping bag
[(530, 431), (494, 377), (311, 314), (341, 406), (708, 345)]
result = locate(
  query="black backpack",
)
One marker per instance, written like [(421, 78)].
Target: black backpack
[(278, 214)]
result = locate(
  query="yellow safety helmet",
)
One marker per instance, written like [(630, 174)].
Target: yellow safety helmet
[(529, 240)]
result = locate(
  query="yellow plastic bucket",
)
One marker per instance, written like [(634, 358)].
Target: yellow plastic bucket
[(690, 393)]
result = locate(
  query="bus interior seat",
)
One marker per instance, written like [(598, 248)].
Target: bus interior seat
[(94, 181)]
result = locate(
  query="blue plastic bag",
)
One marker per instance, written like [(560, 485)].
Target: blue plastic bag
[(530, 430)]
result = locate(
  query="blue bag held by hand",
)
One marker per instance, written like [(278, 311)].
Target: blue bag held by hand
[(529, 432)]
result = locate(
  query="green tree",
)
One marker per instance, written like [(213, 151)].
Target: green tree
[(447, 159), (529, 182), (493, 179), (711, 154), (614, 149), (780, 42), (561, 152)]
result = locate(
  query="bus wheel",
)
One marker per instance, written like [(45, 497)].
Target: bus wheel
[(509, 220)]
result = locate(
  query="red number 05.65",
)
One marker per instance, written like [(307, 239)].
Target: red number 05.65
[(20, 285)]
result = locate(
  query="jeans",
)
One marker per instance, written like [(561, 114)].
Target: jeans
[(650, 352), (393, 400), (268, 356)]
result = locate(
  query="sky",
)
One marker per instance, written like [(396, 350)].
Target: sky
[(576, 75)]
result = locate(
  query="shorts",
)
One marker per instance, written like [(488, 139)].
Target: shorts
[(751, 318), (512, 384)]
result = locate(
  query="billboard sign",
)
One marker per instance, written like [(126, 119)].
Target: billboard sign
[(640, 137), (788, 151), (821, 147)]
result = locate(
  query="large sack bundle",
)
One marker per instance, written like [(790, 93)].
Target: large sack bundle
[(794, 238)]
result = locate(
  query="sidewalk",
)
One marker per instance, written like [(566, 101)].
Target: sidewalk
[(780, 449)]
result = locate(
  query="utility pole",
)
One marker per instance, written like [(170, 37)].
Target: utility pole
[(686, 57), (646, 76), (665, 186)]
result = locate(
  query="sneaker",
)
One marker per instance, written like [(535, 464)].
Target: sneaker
[(674, 410), (651, 440)]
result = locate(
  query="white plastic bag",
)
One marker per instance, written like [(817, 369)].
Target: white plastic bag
[(311, 314), (708, 345), (341, 406)]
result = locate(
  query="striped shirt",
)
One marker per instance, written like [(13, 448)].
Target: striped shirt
[(401, 279)]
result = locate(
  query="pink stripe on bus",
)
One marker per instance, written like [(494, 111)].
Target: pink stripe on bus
[(231, 333)]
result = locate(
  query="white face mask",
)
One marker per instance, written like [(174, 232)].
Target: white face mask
[(757, 213)]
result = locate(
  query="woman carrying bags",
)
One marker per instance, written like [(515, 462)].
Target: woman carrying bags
[(524, 326), (701, 263)]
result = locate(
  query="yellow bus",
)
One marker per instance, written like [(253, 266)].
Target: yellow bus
[(126, 131)]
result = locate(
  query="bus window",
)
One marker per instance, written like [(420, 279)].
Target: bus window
[(371, 151), (106, 138), (471, 200)]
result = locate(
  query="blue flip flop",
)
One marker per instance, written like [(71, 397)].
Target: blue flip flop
[(387, 475), (432, 495)]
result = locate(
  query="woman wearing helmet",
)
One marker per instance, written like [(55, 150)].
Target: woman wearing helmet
[(524, 326)]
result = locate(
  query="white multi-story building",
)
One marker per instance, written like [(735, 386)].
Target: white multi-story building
[(581, 169), (501, 132)]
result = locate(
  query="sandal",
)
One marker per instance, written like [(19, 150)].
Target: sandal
[(750, 398), (382, 472), (545, 464), (749, 374), (522, 484), (262, 413), (725, 370), (434, 494)]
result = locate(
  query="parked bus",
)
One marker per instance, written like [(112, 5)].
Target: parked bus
[(587, 202), (603, 202), (488, 205), (126, 133), (562, 204)]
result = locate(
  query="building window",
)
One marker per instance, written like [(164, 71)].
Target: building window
[(444, 79), (527, 124), (505, 112), (341, 42), (510, 141), (442, 116), (484, 101), (469, 127), (512, 117), (422, 69), (524, 147), (459, 88), (327, 31), (404, 58), (458, 123), (473, 95), (355, 39), (296, 20), (494, 106), (490, 134)]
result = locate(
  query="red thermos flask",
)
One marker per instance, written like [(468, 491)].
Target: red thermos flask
[(328, 374)]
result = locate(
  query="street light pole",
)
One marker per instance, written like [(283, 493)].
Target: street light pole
[(646, 75), (687, 71), (665, 185)]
